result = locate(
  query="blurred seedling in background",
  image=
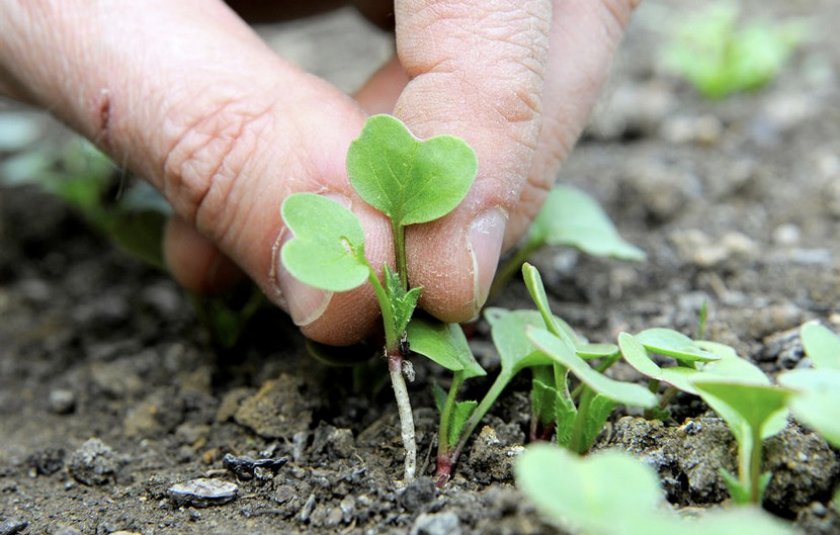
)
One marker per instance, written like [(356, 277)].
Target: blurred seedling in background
[(128, 212), (721, 54)]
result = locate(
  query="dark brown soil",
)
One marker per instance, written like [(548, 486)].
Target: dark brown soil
[(112, 391)]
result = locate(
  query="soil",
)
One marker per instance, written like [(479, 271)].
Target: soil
[(119, 413)]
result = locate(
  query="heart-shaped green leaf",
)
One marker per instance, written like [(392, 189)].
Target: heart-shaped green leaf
[(327, 247), (409, 180), (571, 217)]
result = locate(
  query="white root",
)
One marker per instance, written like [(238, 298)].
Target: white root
[(395, 369)]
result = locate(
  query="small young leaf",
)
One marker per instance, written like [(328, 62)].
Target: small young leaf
[(327, 247), (600, 409), (821, 345), (462, 412), (402, 303), (564, 415), (674, 344), (409, 180), (817, 403), (562, 352), (573, 218), (440, 397), (445, 344), (543, 402)]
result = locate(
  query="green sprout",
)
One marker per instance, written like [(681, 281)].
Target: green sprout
[(751, 411), (581, 496), (410, 181), (570, 217), (720, 55), (734, 388)]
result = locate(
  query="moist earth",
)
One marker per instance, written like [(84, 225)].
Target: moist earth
[(120, 412)]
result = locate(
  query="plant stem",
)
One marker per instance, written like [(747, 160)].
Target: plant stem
[(392, 353), (404, 408), (511, 267), (392, 339), (398, 232), (446, 414), (444, 460), (755, 467)]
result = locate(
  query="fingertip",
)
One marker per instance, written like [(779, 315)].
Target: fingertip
[(195, 262), (455, 259)]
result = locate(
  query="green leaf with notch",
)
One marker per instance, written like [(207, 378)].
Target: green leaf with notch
[(408, 179), (445, 344), (573, 218), (821, 345), (327, 247)]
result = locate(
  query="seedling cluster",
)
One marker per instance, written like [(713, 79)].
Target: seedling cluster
[(720, 55), (413, 181)]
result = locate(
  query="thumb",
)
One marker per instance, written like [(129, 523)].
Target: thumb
[(185, 94), (476, 71)]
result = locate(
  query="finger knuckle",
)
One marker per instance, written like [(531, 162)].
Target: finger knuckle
[(208, 153)]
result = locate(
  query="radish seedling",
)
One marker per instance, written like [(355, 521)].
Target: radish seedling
[(410, 181), (751, 412)]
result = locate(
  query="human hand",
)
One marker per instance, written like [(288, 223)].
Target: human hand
[(186, 95)]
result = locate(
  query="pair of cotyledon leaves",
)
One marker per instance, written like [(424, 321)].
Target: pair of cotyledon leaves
[(409, 180)]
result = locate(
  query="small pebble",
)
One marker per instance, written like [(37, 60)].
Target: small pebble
[(203, 492), (13, 526), (437, 524), (94, 463), (62, 401)]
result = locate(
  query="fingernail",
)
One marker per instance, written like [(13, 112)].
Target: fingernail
[(486, 234), (304, 303)]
